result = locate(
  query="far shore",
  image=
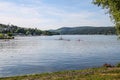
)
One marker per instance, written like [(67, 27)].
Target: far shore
[(7, 38)]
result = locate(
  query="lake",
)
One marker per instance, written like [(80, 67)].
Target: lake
[(38, 54)]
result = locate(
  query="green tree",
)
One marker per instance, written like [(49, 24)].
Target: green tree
[(113, 8), (1, 35), (9, 34), (27, 33)]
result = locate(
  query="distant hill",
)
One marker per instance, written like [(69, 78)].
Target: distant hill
[(15, 30), (85, 30)]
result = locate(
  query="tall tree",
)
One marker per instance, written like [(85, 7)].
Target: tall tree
[(113, 8)]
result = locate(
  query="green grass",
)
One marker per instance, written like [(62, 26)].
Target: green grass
[(87, 74)]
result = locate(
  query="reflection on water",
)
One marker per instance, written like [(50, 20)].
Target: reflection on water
[(27, 55)]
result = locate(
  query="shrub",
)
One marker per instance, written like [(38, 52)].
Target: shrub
[(118, 65), (10, 34), (107, 65), (1, 35)]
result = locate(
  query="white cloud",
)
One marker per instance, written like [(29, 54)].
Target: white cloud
[(47, 17)]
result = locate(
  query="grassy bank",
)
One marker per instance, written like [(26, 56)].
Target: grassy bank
[(103, 73)]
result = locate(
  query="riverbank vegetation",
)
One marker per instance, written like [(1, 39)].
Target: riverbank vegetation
[(19, 31), (86, 30), (6, 36), (107, 72)]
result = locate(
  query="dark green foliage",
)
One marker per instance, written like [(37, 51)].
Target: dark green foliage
[(1, 36), (86, 30), (113, 8), (47, 33), (118, 65), (10, 34), (6, 36), (50, 33), (15, 30), (107, 65), (27, 33)]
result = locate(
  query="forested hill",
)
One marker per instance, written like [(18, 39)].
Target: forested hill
[(86, 30), (15, 30)]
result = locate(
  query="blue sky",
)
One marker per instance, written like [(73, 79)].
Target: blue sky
[(52, 14)]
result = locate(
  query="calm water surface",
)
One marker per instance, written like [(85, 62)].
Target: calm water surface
[(28, 55)]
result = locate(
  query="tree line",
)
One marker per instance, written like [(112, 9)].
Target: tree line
[(15, 30)]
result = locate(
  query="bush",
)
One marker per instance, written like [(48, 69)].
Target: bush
[(118, 65), (10, 34), (1, 35), (107, 65)]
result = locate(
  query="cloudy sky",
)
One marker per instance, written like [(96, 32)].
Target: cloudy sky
[(52, 14)]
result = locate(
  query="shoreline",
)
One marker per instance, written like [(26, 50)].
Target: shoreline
[(106, 72), (6, 38)]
